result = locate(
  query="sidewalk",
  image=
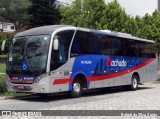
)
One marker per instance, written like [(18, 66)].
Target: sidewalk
[(3, 97)]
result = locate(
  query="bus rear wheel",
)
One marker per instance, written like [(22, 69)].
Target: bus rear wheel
[(134, 83), (76, 88)]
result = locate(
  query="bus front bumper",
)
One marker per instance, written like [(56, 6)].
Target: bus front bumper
[(41, 87)]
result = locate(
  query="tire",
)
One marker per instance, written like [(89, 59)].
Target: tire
[(76, 88), (134, 83)]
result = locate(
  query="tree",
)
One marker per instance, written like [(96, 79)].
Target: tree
[(95, 14), (148, 27), (115, 17), (88, 14), (15, 11), (43, 12)]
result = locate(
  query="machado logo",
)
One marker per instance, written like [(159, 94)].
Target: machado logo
[(115, 63)]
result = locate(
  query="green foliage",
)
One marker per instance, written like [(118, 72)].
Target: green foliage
[(116, 18), (15, 11), (13, 94), (2, 84), (88, 14), (95, 14), (3, 90), (5, 36), (43, 12), (2, 68)]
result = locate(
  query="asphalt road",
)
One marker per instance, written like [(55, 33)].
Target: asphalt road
[(147, 97)]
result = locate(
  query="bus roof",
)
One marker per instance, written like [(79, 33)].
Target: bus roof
[(41, 30), (116, 34), (51, 28), (124, 35)]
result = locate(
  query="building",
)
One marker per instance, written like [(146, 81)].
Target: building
[(6, 26)]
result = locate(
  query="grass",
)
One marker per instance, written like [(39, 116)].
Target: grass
[(3, 90), (12, 94), (2, 84)]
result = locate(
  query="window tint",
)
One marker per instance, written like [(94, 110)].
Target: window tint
[(116, 47), (152, 50), (60, 56), (108, 45), (97, 43), (83, 44)]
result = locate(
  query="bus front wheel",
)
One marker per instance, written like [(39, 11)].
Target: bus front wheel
[(76, 88), (134, 83)]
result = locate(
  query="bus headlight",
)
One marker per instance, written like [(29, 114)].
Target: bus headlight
[(38, 78)]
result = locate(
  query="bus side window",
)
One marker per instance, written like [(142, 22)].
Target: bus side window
[(116, 47), (124, 47), (105, 46), (82, 44), (96, 43)]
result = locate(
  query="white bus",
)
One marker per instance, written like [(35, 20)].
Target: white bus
[(61, 58)]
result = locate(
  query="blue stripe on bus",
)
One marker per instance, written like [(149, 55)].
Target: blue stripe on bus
[(98, 65)]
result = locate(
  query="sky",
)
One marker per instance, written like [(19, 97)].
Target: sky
[(133, 7)]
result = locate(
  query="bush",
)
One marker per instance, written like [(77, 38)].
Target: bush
[(2, 78), (2, 68), (5, 36), (2, 84)]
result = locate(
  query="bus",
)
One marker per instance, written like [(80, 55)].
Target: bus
[(64, 58)]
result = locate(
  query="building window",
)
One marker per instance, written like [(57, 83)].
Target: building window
[(12, 27)]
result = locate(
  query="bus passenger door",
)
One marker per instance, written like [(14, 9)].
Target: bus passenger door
[(58, 62)]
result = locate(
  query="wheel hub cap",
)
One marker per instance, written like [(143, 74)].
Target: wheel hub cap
[(134, 83), (76, 87)]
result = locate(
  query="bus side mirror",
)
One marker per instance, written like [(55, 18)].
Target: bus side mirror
[(55, 43), (3, 45)]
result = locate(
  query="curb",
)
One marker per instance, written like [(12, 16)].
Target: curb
[(2, 98), (5, 97)]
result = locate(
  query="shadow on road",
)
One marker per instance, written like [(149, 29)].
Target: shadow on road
[(65, 96)]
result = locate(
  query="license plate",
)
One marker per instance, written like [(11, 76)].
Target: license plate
[(20, 87)]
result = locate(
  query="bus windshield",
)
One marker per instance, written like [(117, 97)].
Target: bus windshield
[(29, 53)]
